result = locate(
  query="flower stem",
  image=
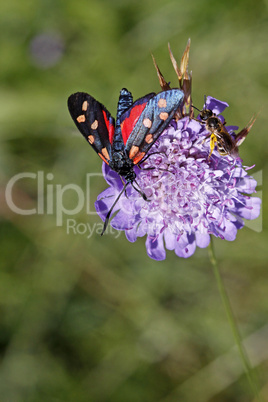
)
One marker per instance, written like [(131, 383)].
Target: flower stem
[(228, 309)]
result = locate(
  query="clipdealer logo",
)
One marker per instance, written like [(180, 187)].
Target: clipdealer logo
[(50, 201)]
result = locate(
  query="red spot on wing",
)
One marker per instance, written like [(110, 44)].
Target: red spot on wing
[(110, 127), (129, 123), (138, 157)]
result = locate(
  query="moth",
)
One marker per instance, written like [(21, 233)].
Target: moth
[(125, 141)]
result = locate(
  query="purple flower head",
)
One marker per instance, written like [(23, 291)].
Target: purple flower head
[(189, 196)]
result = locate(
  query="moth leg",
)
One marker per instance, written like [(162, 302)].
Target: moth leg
[(146, 157), (153, 168), (111, 209), (139, 190), (124, 184)]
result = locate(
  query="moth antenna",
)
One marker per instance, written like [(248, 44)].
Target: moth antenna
[(111, 209)]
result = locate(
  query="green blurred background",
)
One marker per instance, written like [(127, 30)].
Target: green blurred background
[(94, 319)]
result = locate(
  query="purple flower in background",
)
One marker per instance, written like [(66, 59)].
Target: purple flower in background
[(189, 196), (46, 49)]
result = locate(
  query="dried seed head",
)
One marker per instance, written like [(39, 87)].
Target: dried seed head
[(164, 85)]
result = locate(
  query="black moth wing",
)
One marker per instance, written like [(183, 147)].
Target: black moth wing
[(155, 117), (94, 121)]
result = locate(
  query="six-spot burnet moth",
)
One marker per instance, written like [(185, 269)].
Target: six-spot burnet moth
[(124, 142)]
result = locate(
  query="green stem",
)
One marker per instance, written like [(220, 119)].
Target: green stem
[(233, 325)]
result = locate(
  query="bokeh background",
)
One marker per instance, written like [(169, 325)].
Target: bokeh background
[(94, 319)]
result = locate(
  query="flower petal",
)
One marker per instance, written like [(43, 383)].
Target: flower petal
[(120, 222), (131, 234), (105, 201), (170, 239), (188, 250), (247, 185), (215, 105), (155, 248), (248, 208), (112, 178), (229, 230), (202, 239)]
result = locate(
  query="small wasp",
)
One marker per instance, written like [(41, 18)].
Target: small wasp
[(226, 144)]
